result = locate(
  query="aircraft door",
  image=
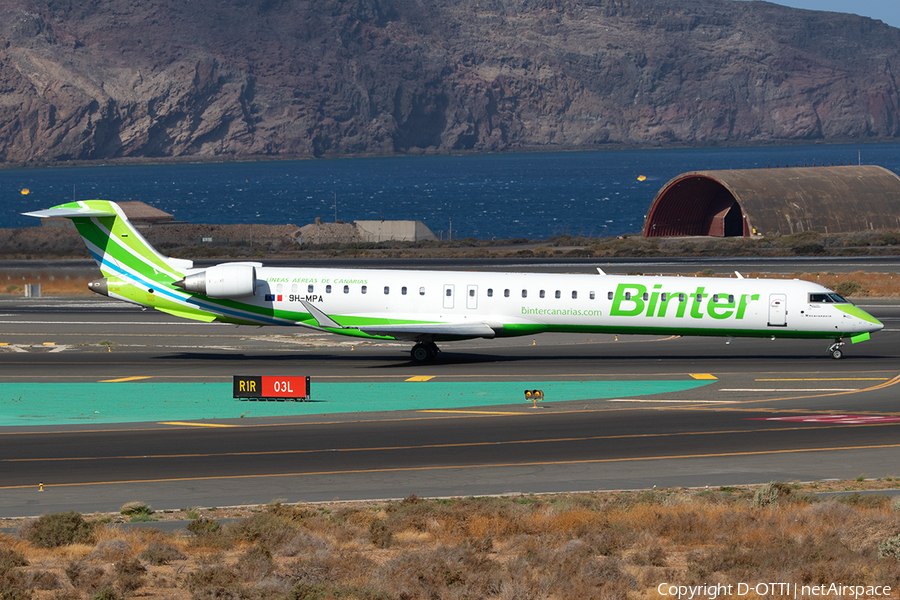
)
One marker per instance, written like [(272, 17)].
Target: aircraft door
[(472, 296), (448, 295), (777, 310)]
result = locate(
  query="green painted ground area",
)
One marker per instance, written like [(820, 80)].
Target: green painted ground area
[(72, 403)]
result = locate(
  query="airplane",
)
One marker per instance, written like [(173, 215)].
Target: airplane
[(425, 307)]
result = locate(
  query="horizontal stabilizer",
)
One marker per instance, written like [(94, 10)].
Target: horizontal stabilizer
[(70, 212)]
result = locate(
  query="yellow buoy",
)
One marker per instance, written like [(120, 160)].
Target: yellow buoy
[(26, 191), (642, 177)]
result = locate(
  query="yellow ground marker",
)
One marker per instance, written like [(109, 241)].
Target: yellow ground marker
[(421, 378), (49, 344), (196, 424), (702, 375), (124, 379)]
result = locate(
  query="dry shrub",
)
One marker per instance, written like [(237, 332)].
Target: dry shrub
[(111, 550), (321, 568), (212, 581), (86, 577), (14, 583), (266, 528), (130, 575), (161, 553), (255, 564), (303, 542), (57, 529), (440, 573)]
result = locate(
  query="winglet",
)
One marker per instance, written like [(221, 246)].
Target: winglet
[(599, 270)]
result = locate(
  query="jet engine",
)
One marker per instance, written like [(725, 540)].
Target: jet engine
[(234, 280)]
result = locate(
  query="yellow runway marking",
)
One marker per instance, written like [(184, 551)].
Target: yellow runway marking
[(702, 375), (674, 401), (832, 379), (420, 378), (457, 445), (880, 386), (471, 412), (196, 424), (448, 467), (124, 379)]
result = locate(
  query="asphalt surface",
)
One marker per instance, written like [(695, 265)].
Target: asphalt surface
[(769, 410)]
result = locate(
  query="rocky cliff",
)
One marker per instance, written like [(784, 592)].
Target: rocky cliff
[(100, 79)]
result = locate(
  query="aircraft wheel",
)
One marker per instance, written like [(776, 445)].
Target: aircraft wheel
[(432, 349), (836, 353), (421, 353)]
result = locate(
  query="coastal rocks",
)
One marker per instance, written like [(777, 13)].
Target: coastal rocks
[(208, 78)]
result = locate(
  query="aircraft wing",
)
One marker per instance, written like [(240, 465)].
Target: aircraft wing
[(409, 331), (443, 330)]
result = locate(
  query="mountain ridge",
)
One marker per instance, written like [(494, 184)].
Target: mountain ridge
[(111, 79)]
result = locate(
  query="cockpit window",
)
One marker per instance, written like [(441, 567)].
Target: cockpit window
[(826, 299)]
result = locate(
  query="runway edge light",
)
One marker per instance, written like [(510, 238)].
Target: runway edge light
[(534, 396)]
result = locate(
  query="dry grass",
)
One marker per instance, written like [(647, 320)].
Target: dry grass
[(604, 545)]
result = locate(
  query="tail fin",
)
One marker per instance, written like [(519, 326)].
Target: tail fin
[(120, 250)]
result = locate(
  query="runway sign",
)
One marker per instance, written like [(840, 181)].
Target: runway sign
[(278, 388)]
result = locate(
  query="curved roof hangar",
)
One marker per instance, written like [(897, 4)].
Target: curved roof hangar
[(745, 202)]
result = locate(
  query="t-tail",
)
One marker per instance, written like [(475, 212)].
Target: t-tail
[(132, 269)]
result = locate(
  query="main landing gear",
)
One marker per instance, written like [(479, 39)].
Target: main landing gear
[(423, 352), (835, 349)]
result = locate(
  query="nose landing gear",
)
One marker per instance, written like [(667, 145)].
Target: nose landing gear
[(835, 349)]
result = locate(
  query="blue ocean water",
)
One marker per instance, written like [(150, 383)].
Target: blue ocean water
[(534, 196)]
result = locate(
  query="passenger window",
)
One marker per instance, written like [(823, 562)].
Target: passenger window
[(715, 298), (387, 290), (699, 297), (731, 298), (628, 295), (364, 288), (558, 294), (574, 295), (506, 293), (346, 289), (328, 289), (472, 293), (490, 293), (664, 296), (310, 289), (524, 293), (682, 297), (610, 296), (542, 294), (449, 292), (403, 291), (421, 291), (646, 296), (593, 296)]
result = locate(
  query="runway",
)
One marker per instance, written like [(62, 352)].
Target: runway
[(748, 412)]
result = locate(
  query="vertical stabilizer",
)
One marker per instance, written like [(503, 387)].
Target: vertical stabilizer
[(118, 247)]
